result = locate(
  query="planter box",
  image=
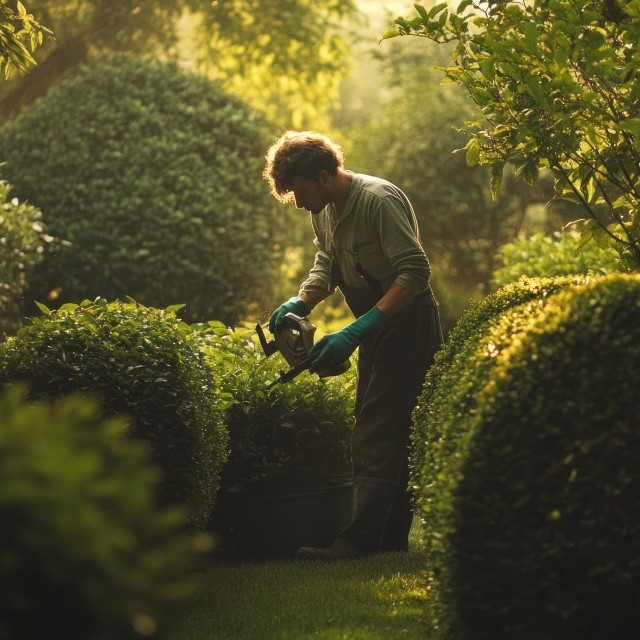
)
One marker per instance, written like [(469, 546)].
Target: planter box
[(278, 523)]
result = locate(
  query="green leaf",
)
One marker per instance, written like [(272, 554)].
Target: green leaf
[(45, 310), (393, 33), (473, 153), (434, 11), (632, 125), (174, 308), (422, 11)]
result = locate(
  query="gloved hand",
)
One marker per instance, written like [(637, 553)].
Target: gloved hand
[(293, 305), (336, 347)]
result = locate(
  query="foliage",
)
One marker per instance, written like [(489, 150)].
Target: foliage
[(284, 56), (85, 552), (139, 361), (447, 394), (302, 427), (20, 36), (153, 176), (461, 224), (529, 468), (286, 50), (22, 241), (557, 84), (558, 254)]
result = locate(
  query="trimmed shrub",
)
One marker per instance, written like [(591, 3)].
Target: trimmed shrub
[(139, 361), (85, 552), (559, 254), (21, 246), (450, 393), (154, 177), (532, 533), (301, 428), (445, 396)]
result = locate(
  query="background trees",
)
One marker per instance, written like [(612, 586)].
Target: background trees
[(557, 85), (286, 55), (413, 138)]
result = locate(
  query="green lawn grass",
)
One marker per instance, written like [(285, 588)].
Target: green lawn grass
[(381, 597)]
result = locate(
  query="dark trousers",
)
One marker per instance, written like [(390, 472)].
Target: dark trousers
[(391, 370)]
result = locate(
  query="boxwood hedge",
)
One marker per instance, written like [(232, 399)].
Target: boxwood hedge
[(85, 552), (533, 533), (139, 361), (153, 176), (445, 394), (301, 428)]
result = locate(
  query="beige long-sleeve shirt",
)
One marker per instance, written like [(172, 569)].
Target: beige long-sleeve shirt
[(376, 234)]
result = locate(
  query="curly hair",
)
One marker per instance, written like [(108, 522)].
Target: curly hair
[(299, 154)]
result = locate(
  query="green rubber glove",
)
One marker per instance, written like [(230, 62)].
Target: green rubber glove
[(335, 348), (293, 305)]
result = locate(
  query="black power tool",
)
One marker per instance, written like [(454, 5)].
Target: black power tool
[(294, 341)]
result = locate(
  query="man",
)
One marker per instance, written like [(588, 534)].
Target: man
[(367, 243)]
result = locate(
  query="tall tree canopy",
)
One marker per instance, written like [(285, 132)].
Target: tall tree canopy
[(276, 52)]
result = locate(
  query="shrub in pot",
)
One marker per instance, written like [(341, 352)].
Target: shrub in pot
[(85, 551), (283, 438), (537, 536), (139, 361)]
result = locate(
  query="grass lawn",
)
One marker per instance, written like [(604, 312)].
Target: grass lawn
[(382, 597)]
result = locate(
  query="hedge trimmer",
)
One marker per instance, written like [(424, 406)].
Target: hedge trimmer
[(294, 341)]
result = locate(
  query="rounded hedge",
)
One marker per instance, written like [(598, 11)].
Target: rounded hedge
[(300, 429), (153, 177), (447, 393), (142, 362), (539, 535), (85, 552)]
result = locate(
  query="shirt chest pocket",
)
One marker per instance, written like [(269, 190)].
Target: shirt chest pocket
[(366, 254)]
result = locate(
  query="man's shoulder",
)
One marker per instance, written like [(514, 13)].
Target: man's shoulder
[(373, 184)]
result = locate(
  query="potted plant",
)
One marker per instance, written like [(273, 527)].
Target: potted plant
[(287, 481)]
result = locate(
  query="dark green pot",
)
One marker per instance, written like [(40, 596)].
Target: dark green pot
[(277, 523)]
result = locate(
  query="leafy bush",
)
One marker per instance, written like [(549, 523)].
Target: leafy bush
[(556, 255), (21, 246), (85, 552), (154, 176), (532, 532), (142, 362), (300, 428), (450, 393), (442, 390)]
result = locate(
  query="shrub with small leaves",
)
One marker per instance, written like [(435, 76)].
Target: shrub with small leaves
[(153, 176), (85, 550), (527, 495), (139, 361), (559, 254), (451, 390), (443, 396), (302, 427)]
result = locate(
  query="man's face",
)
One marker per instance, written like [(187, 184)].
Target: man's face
[(310, 194)]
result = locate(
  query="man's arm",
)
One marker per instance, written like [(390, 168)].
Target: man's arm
[(395, 299), (313, 297)]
